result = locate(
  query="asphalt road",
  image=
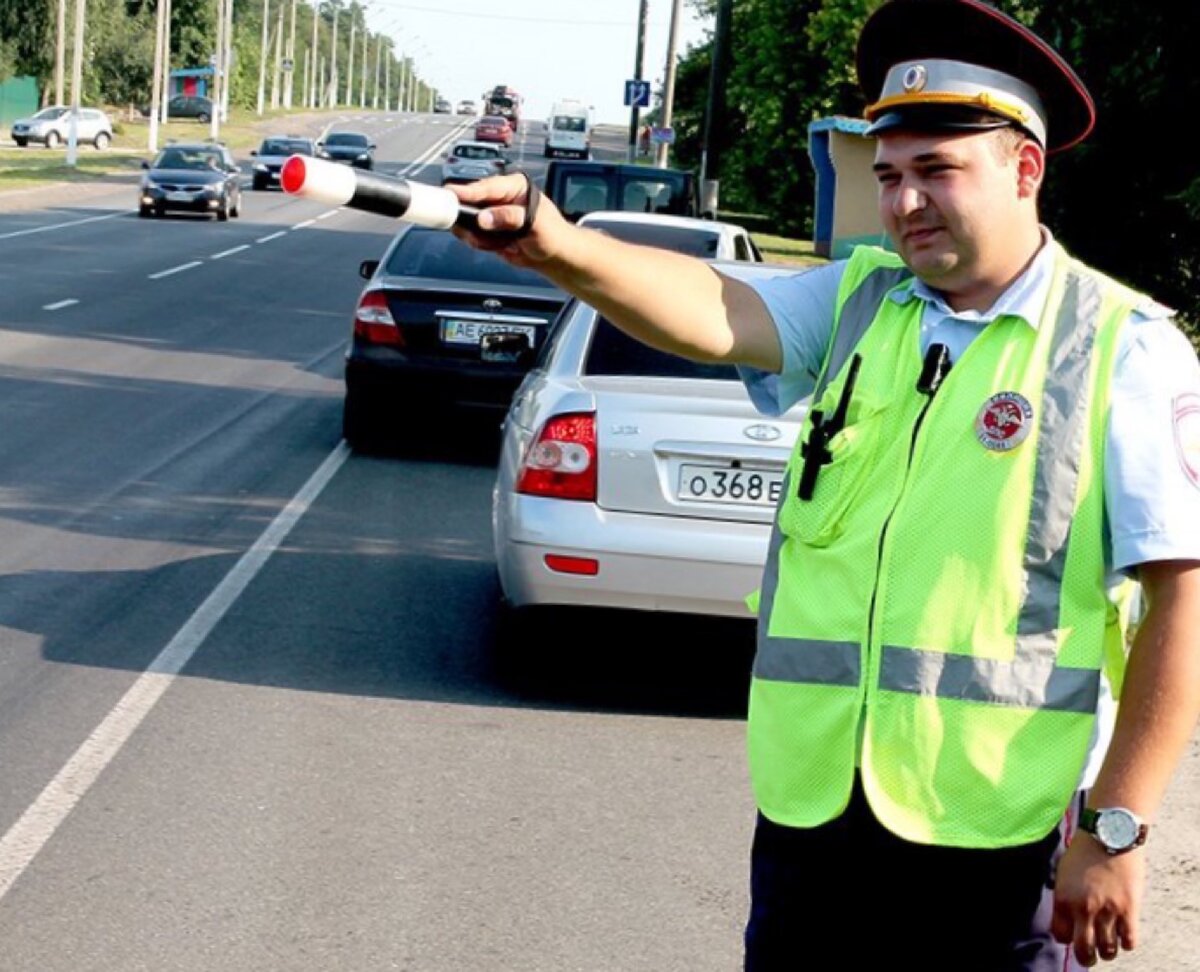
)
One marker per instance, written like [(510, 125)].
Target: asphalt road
[(252, 712)]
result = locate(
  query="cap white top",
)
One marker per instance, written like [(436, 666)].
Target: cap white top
[(956, 83)]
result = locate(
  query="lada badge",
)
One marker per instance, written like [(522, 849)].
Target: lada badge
[(762, 433)]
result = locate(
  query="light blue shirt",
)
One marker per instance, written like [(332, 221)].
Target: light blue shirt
[(1152, 504)]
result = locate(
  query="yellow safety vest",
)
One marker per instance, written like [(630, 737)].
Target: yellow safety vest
[(937, 614)]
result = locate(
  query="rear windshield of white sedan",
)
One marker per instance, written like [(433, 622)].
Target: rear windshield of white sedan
[(681, 240), (435, 253), (475, 152), (613, 352)]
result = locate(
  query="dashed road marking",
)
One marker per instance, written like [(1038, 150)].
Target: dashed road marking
[(60, 305), (178, 269), (230, 252), (273, 236)]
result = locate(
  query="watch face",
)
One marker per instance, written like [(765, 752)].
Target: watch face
[(1117, 829)]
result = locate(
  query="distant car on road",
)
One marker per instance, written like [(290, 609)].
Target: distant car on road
[(494, 128), (706, 238), (442, 106), (634, 479), (200, 177), (469, 161), (197, 107), (52, 127), (417, 353), (273, 152), (353, 148), (466, 107)]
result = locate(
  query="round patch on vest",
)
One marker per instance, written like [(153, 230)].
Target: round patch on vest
[(1186, 409), (1004, 421)]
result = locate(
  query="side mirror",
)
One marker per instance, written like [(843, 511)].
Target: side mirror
[(372, 146), (145, 164), (254, 151), (506, 347), (367, 269)]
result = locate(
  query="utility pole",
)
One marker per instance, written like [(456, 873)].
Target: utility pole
[(262, 58), (60, 52), (714, 117), (278, 60), (387, 80), (668, 103), (333, 75), (312, 95), (378, 58), (637, 74), (214, 122), (159, 31), (289, 81), (166, 71), (350, 62), (76, 81), (362, 88), (304, 90), (227, 61)]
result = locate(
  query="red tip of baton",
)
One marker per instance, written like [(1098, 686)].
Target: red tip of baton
[(292, 175)]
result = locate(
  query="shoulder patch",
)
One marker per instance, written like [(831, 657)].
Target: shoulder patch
[(1186, 421)]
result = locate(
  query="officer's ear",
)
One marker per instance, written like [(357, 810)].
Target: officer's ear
[(1031, 168)]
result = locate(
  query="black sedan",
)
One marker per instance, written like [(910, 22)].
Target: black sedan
[(200, 178), (440, 329), (270, 156), (353, 148)]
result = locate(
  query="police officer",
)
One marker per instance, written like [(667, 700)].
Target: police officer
[(1001, 441)]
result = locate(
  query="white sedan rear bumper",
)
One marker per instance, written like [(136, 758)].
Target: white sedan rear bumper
[(650, 563)]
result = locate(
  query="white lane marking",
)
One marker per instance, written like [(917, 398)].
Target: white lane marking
[(60, 305), (42, 818), (178, 269), (307, 222), (47, 229), (230, 252), (273, 236), (332, 212)]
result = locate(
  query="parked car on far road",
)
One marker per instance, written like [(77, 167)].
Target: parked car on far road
[(469, 161), (442, 106), (196, 107), (634, 479), (418, 352), (494, 128), (466, 107), (52, 127), (706, 238), (191, 178)]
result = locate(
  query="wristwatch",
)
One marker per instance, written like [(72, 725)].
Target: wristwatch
[(1116, 829)]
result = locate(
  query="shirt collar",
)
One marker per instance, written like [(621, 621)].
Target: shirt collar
[(1025, 297)]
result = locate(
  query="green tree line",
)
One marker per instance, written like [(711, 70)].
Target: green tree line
[(118, 50), (1127, 200)]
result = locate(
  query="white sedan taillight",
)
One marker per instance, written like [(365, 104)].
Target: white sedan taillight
[(561, 463), (373, 320)]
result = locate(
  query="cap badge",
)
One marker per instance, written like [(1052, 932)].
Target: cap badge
[(1004, 421), (1186, 409), (915, 78)]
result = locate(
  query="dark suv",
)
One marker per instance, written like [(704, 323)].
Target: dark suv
[(353, 148), (190, 106)]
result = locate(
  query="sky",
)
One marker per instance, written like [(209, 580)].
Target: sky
[(547, 49)]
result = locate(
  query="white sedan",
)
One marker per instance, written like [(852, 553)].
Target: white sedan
[(631, 478), (706, 238)]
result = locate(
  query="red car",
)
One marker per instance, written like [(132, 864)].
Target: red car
[(493, 128)]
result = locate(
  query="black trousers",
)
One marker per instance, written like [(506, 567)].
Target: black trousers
[(850, 895)]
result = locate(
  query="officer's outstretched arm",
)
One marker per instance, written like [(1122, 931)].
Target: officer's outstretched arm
[(667, 300)]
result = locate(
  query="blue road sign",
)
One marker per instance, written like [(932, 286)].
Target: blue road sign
[(637, 93)]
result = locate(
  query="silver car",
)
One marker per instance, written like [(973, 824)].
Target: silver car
[(52, 127), (469, 161), (631, 478)]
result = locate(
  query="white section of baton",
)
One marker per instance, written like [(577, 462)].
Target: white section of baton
[(431, 206), (328, 182)]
